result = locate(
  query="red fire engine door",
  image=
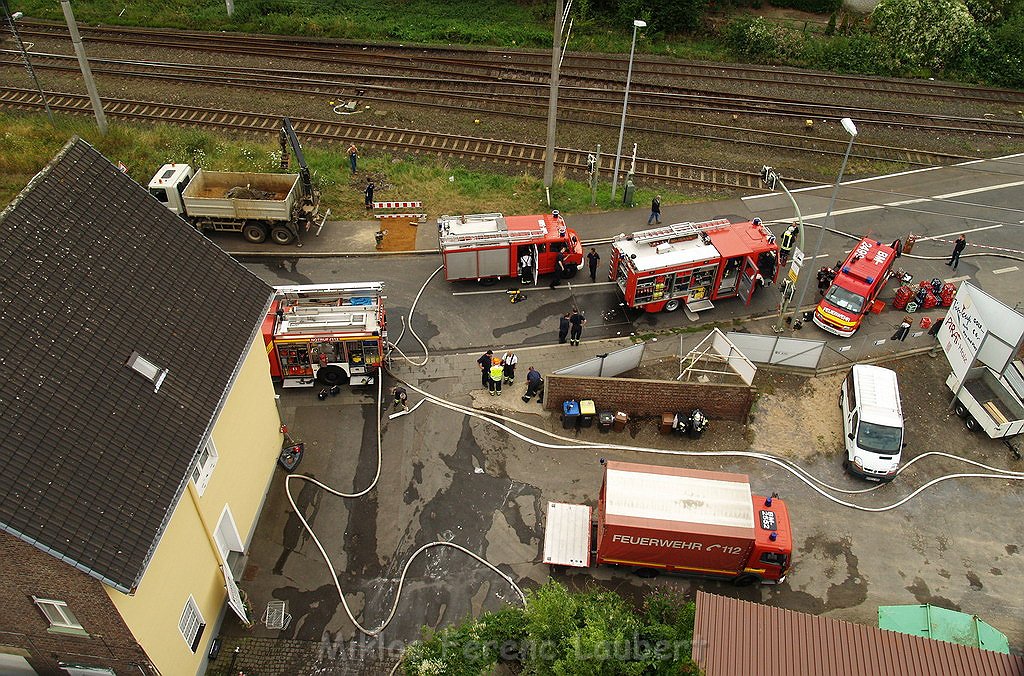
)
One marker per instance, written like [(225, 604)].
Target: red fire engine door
[(749, 280)]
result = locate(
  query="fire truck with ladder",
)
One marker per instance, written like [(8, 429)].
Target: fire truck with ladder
[(487, 247), (329, 334), (693, 264), (856, 286)]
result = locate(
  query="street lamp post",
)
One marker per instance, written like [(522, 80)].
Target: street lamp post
[(771, 178), (11, 18), (851, 129), (637, 23)]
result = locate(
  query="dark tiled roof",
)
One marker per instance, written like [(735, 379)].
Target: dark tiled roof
[(92, 269), (740, 638)]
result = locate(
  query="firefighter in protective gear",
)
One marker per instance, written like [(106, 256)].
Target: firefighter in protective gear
[(786, 243), (497, 373)]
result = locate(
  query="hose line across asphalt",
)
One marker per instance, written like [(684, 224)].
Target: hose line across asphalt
[(507, 424)]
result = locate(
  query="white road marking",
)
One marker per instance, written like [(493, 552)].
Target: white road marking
[(901, 203), (1001, 271), (958, 232), (954, 280)]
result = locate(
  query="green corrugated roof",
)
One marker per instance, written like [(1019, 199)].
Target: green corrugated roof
[(943, 625)]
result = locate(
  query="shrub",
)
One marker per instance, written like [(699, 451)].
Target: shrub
[(856, 53), (561, 632), (928, 34), (761, 40), (1003, 60)]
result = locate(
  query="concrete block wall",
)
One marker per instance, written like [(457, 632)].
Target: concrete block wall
[(26, 572), (641, 398)]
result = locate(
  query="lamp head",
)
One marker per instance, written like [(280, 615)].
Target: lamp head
[(17, 15), (849, 126), (639, 23)]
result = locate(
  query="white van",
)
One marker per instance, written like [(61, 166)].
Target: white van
[(872, 422)]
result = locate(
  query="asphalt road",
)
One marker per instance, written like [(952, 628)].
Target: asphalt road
[(446, 476), (981, 199)]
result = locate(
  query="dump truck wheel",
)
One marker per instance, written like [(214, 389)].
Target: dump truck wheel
[(672, 305), (646, 573), (960, 409), (972, 424), (281, 235), (332, 375), (745, 580), (255, 233)]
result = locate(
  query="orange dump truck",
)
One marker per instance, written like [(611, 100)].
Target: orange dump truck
[(686, 521)]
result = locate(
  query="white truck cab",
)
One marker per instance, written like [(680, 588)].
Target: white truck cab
[(169, 183), (872, 422)]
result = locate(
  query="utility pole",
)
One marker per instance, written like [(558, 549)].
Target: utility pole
[(83, 62), (11, 18), (556, 59), (637, 24), (788, 285), (851, 129)]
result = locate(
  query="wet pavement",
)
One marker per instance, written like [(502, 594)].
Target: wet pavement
[(447, 476)]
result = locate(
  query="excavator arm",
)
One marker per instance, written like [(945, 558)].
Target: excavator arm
[(289, 139)]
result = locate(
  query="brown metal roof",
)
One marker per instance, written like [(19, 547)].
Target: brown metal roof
[(740, 638)]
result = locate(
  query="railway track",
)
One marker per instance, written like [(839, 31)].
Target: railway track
[(526, 62), (666, 100), (578, 105), (492, 151)]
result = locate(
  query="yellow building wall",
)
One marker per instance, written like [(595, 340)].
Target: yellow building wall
[(248, 441)]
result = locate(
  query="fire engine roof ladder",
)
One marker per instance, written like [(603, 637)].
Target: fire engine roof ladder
[(677, 231), (483, 238)]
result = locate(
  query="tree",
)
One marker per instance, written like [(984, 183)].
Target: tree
[(929, 34), (595, 632)]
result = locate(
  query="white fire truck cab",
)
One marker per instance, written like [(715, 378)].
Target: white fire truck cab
[(487, 247), (329, 334), (693, 264)]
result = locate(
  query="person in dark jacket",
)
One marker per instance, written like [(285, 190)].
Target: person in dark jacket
[(655, 210), (559, 269), (576, 322), (534, 385), (958, 247), (593, 258), (368, 193), (485, 367), (563, 328)]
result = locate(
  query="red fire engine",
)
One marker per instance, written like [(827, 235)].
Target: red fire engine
[(856, 286), (329, 334), (491, 246), (693, 263)]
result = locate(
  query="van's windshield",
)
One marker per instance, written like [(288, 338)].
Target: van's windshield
[(844, 299), (879, 438)]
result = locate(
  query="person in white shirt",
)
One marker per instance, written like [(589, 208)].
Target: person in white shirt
[(509, 361)]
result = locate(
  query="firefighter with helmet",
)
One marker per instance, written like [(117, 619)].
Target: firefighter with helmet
[(786, 243)]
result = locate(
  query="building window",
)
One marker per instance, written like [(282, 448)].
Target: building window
[(59, 616), (191, 624), (204, 466)]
